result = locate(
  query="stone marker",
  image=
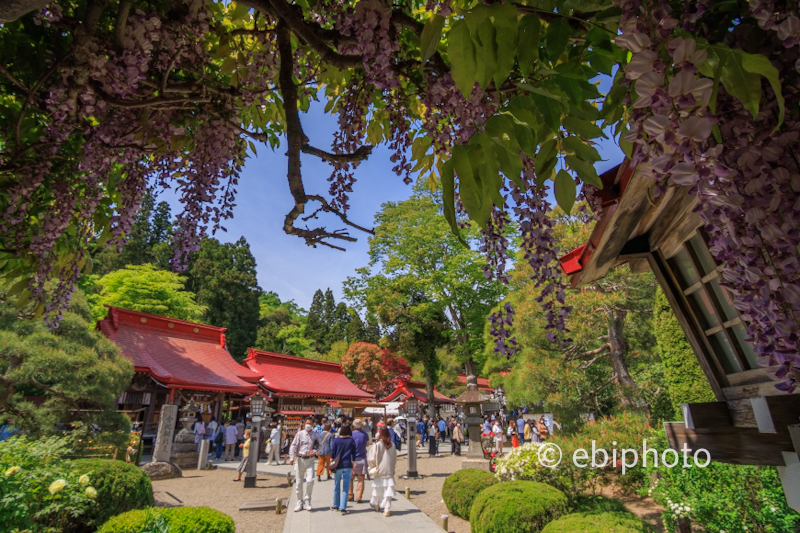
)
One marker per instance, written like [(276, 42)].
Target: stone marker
[(162, 470), (202, 459), (166, 430), (265, 505)]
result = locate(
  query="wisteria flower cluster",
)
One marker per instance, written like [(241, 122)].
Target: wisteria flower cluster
[(745, 176)]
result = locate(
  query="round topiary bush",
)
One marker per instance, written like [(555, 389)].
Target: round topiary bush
[(460, 489), (616, 522), (516, 507), (120, 487), (173, 519)]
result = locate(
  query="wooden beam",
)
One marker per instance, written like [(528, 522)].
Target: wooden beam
[(741, 446), (639, 266), (631, 208), (706, 415)]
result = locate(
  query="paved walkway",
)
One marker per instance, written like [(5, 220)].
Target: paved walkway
[(360, 518)]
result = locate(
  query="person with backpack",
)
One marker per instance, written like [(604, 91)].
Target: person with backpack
[(324, 452), (219, 440), (395, 437), (344, 453)]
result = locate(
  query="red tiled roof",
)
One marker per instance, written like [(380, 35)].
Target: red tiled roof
[(289, 375), (417, 389), (483, 383), (180, 354)]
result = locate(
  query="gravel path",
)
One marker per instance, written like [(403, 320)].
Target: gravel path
[(426, 493), (216, 489)]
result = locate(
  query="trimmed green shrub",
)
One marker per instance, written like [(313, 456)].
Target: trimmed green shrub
[(594, 503), (516, 507), (120, 487), (172, 519), (460, 489), (608, 522)]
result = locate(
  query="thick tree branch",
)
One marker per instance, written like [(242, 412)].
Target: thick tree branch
[(593, 393), (11, 10), (295, 139), (54, 392), (359, 155), (590, 353), (587, 364), (123, 10), (328, 209), (13, 79), (308, 33), (155, 102)]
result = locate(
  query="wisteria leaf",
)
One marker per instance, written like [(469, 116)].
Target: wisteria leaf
[(431, 35), (556, 38), (759, 64), (461, 52), (469, 189), (486, 54), (585, 170), (530, 28), (582, 128), (565, 190), (505, 23), (741, 84), (581, 149), (448, 197)]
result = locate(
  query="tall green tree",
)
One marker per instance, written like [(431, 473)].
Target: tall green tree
[(340, 319), (79, 372), (149, 240), (684, 378), (414, 243), (355, 331), (224, 278), (317, 324), (611, 354), (149, 290), (417, 328)]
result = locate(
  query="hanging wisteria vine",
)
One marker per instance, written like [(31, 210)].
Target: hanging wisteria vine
[(497, 102)]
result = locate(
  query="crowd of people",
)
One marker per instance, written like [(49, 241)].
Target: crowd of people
[(353, 452), (516, 429)]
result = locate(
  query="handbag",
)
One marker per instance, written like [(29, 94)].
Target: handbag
[(336, 460)]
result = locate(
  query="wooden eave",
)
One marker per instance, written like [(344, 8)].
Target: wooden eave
[(635, 223)]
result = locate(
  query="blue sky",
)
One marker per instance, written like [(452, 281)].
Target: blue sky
[(286, 265)]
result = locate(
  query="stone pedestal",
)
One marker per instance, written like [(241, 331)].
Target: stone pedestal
[(184, 449), (166, 429), (479, 464), (471, 400)]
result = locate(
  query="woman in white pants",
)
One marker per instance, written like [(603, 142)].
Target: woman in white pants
[(382, 458)]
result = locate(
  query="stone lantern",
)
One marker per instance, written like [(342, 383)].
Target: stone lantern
[(184, 448), (470, 402)]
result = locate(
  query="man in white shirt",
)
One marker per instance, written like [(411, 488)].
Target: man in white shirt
[(304, 448)]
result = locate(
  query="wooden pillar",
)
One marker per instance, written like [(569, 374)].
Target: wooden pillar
[(148, 414)]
